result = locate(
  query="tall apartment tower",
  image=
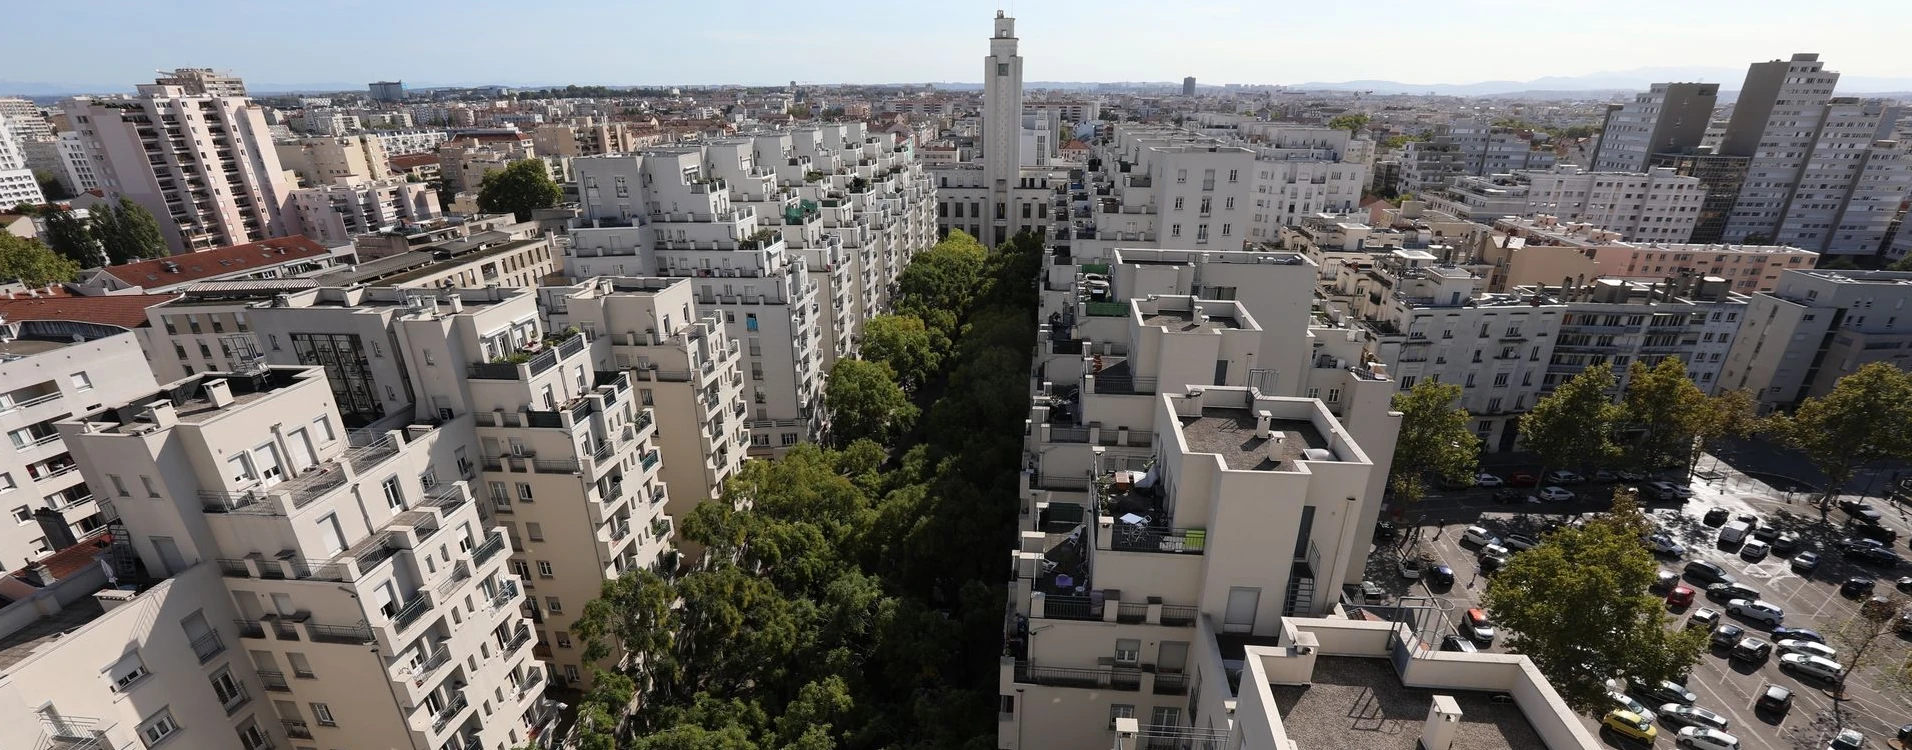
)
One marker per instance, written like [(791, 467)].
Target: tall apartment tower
[(1776, 121), (1667, 117), (1188, 86), (17, 183), (202, 163), (1002, 125), (203, 82)]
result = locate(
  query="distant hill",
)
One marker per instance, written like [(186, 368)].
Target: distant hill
[(1637, 79)]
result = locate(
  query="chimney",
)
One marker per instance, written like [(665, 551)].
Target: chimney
[(1262, 420), (1443, 723), (219, 392), (53, 526), (39, 575)]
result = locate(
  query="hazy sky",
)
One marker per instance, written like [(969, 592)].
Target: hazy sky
[(745, 41)]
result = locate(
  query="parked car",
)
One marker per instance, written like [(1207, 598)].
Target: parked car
[(1704, 617), (1485, 479), (1605, 476), (1664, 545), (1666, 491), (1874, 532), (1665, 580), (1493, 562), (1631, 725), (1412, 567), (1726, 592), (1754, 550), (1812, 666), (1851, 543), (1479, 536), (1714, 517), (1805, 563), (1702, 571), (1705, 738), (1860, 510), (1493, 550), (1847, 739), (1682, 715), (1509, 496), (1372, 593), (1680, 596), (1764, 612), (1786, 543), (1734, 532), (1520, 542), (1452, 642), (1624, 702), (1441, 575), (1879, 556), (1477, 625), (1766, 532), (1797, 634), (1752, 650), (1856, 586), (1809, 648), (1727, 635), (1553, 494), (1445, 483), (1562, 476), (1668, 691), (1774, 699), (1522, 479), (1904, 585)]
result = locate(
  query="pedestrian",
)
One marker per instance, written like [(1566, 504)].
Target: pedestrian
[(1470, 584)]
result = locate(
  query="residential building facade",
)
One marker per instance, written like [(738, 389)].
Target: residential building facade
[(1816, 327), (332, 214), (1667, 117)]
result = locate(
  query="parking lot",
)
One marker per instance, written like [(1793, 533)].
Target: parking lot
[(1723, 686)]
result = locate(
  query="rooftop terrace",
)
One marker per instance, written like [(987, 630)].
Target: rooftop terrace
[(1231, 434), (1361, 703), (1182, 321)]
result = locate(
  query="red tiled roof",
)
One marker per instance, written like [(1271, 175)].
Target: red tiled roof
[(219, 261), (73, 559), (123, 310), (404, 162)]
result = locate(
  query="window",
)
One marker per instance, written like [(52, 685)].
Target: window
[(759, 440), (564, 639), (126, 672), (552, 605), (1334, 395), (788, 439), (544, 571), (119, 485), (325, 428), (151, 489), (394, 495), (1174, 230), (228, 690), (322, 713), (428, 479), (535, 531), (519, 569), (524, 492), (1128, 651), (1407, 382), (571, 672), (157, 728), (1120, 711), (81, 382), (6, 481), (23, 514)]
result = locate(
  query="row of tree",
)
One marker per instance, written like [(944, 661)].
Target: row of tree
[(112, 233), (848, 597)]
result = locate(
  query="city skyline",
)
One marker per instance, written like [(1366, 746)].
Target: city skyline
[(1218, 42)]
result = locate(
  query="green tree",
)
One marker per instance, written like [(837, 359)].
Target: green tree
[(1835, 263), (32, 264), (50, 185), (103, 222), (1902, 264), (1434, 439), (906, 345), (866, 403), (1665, 410), (1862, 420), (1353, 123), (69, 236), (1728, 414), (1869, 638), (132, 233), (522, 187), (1612, 626), (1573, 426)]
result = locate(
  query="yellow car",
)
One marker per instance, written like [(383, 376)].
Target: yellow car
[(1629, 724)]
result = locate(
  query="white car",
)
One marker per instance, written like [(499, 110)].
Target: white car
[(1626, 702), (1757, 609), (1495, 550), (1754, 550), (1669, 491), (1682, 715), (1706, 738), (1665, 545), (1485, 479), (1562, 476), (1554, 494), (1808, 648), (1822, 668), (1479, 536)]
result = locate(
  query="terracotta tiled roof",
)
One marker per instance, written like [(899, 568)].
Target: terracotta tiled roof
[(123, 310), (219, 261), (404, 162), (73, 559)]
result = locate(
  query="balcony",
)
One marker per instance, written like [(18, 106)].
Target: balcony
[(411, 613), (274, 681), (1127, 680), (439, 658), (208, 646), (1179, 615), (519, 638), (250, 628), (297, 729), (354, 635), (452, 708), (494, 543), (507, 591), (1135, 538)]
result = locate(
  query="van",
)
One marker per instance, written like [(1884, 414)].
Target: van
[(1735, 532)]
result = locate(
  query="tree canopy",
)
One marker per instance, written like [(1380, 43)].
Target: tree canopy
[(1862, 420), (1666, 410), (69, 236), (127, 232), (866, 403), (1434, 439), (906, 345), (521, 187), (1577, 605), (1573, 426), (1353, 123), (32, 263)]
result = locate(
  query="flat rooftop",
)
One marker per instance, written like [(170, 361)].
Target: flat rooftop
[(1361, 703), (1180, 321), (1231, 433), (16, 646)]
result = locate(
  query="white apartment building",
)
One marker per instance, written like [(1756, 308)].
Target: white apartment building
[(267, 568), (684, 366), (329, 160), (1430, 164), (203, 82), (333, 213), (204, 165), (77, 163), (1546, 250), (1850, 190), (1817, 327), (1667, 117), (400, 142), (52, 368), (1692, 317), (17, 183), (1657, 206), (24, 118)]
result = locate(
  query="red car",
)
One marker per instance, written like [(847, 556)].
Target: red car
[(1523, 479), (1680, 596)]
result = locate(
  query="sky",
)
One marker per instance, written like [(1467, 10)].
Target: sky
[(425, 42)]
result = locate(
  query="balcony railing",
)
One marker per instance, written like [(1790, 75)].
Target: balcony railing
[(1071, 608), (417, 608), (1159, 539), (439, 657), (208, 646), (1131, 612), (1129, 680), (494, 543), (346, 634), (650, 460), (1179, 615), (250, 628), (519, 638), (297, 729), (451, 709), (506, 592), (1171, 683), (1124, 386), (274, 681)]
